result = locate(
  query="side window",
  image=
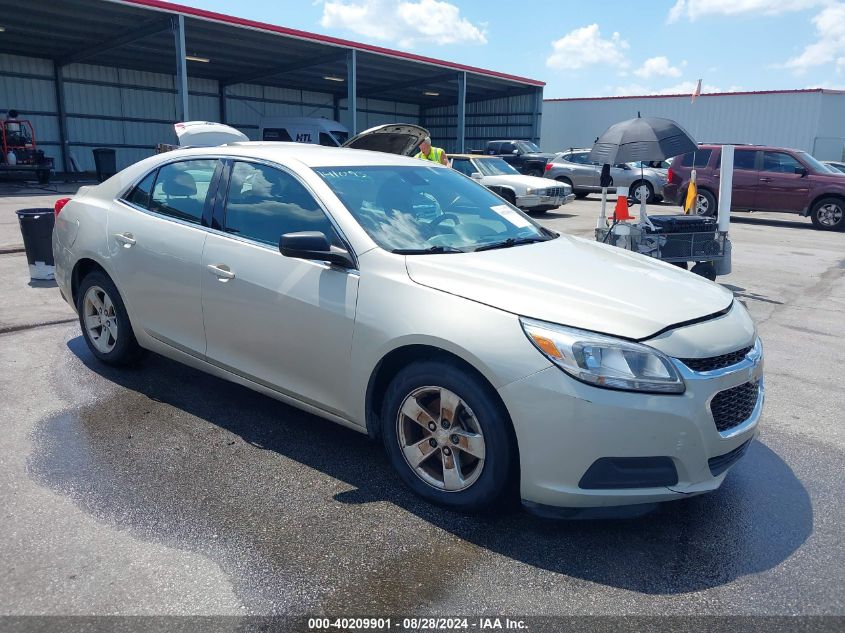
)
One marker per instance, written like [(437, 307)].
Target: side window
[(578, 159), (702, 157), (264, 203), (493, 148), (181, 189), (276, 134), (780, 162), (745, 159), (507, 148), (139, 195), (327, 140), (463, 165)]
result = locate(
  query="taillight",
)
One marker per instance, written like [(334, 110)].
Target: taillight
[(671, 175), (60, 204), (548, 166)]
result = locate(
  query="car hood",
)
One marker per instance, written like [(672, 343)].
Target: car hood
[(518, 181), (833, 179), (392, 138), (576, 282)]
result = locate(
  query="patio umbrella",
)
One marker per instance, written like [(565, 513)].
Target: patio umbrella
[(640, 139)]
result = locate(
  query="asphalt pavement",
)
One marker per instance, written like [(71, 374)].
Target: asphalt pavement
[(161, 490)]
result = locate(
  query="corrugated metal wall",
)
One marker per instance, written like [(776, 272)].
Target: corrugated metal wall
[(131, 111), (502, 118), (781, 119)]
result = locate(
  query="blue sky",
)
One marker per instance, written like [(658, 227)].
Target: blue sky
[(595, 48)]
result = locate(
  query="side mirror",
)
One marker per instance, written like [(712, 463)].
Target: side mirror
[(314, 245), (515, 152), (476, 175), (801, 171)]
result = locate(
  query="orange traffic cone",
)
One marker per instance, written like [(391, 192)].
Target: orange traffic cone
[(620, 213)]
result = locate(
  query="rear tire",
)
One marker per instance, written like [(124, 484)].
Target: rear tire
[(581, 194), (534, 172), (828, 214), (636, 191), (43, 176), (705, 204), (428, 406), (105, 322)]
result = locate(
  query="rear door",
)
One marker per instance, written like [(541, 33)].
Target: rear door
[(156, 237), (745, 178), (584, 173), (783, 184)]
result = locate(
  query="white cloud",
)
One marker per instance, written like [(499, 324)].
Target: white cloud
[(694, 9), (681, 88), (407, 23), (585, 47), (830, 42), (657, 67)]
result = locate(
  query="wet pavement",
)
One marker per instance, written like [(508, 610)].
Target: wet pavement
[(160, 489)]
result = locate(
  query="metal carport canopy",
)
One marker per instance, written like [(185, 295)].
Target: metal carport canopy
[(139, 34)]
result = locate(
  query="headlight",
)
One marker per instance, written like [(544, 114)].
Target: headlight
[(604, 361), (529, 191)]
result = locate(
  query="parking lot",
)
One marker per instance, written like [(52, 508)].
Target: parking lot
[(161, 490)]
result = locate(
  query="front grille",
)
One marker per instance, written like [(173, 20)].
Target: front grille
[(553, 192), (732, 407), (716, 362), (720, 464)]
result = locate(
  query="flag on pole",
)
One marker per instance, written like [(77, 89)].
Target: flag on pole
[(696, 92), (692, 194)]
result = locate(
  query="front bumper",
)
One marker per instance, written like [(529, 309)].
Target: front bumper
[(545, 202), (563, 427)]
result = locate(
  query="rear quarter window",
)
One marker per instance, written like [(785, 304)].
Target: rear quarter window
[(695, 159)]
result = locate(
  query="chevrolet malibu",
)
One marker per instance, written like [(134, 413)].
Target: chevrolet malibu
[(402, 299)]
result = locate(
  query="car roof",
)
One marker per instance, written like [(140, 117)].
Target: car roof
[(767, 148), (481, 156), (302, 153)]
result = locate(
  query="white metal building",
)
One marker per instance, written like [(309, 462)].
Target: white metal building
[(811, 120), (119, 73)]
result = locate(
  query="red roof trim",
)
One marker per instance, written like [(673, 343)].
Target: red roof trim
[(704, 94), (317, 37)]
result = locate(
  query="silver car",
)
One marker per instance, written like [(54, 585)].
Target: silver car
[(403, 300), (574, 168)]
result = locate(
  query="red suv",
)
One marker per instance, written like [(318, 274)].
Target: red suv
[(764, 179)]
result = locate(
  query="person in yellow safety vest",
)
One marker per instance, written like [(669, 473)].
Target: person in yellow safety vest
[(434, 154)]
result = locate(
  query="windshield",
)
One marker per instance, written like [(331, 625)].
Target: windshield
[(427, 209), (527, 146), (814, 164), (494, 167)]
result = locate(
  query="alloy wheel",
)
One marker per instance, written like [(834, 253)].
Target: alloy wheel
[(830, 214), (98, 315), (441, 439), (702, 205)]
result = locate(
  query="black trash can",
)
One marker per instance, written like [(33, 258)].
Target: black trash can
[(105, 162), (37, 231)]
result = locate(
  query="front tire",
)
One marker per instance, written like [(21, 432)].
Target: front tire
[(448, 436), (828, 214), (105, 322)]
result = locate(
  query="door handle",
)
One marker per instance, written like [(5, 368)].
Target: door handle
[(221, 271), (765, 180), (126, 239)]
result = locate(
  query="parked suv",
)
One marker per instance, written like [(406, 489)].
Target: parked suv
[(575, 169), (764, 179), (525, 156)]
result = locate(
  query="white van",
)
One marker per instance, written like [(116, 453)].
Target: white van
[(303, 130)]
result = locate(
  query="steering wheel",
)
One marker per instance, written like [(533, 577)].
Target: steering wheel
[(446, 216)]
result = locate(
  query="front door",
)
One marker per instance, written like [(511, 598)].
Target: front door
[(784, 185), (283, 322), (156, 240)]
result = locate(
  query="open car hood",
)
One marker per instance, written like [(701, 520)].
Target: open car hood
[(392, 138)]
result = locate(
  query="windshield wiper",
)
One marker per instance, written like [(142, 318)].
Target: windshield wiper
[(511, 241), (425, 251)]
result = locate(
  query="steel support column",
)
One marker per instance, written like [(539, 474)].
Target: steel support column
[(352, 90), (223, 89), (336, 107), (58, 81), (181, 68), (462, 112), (537, 112)]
